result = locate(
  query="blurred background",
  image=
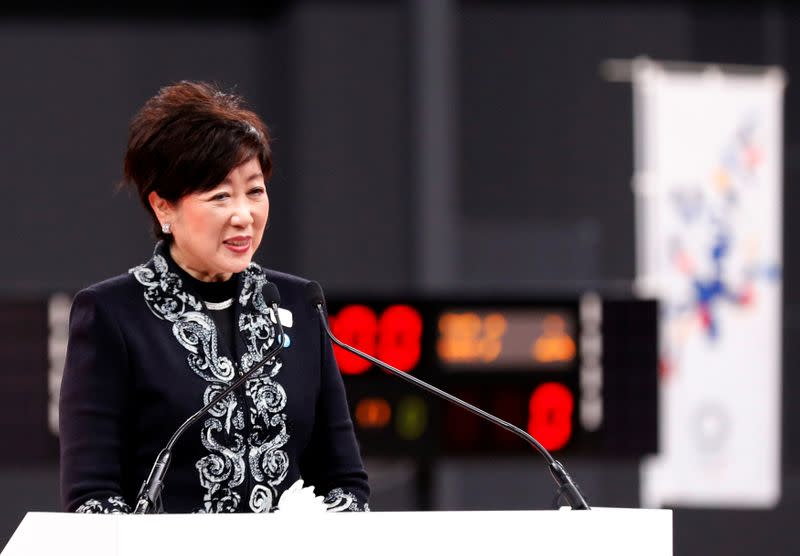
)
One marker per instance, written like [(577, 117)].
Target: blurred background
[(425, 150)]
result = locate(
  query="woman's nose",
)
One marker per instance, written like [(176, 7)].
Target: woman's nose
[(241, 215)]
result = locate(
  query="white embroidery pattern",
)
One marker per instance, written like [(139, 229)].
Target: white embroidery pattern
[(223, 434), (113, 505), (164, 295), (261, 499), (339, 500)]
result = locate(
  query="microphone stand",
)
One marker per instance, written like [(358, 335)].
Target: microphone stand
[(566, 486), (148, 499)]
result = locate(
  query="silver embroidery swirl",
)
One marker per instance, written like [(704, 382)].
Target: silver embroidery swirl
[(230, 456), (219, 499), (267, 461), (256, 326), (260, 499), (339, 500), (224, 463), (112, 505), (226, 409), (268, 396), (260, 334), (253, 281), (164, 294), (197, 333)]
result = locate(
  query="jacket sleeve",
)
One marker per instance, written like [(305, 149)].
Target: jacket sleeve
[(332, 462), (91, 408)]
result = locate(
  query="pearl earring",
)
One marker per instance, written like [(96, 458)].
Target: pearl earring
[(165, 227)]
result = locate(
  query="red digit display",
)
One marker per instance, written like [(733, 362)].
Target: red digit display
[(399, 336), (355, 325), (550, 415), (395, 337)]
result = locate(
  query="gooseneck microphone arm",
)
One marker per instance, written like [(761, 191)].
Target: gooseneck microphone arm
[(147, 500), (566, 486)]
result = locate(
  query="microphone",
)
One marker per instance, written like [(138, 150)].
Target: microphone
[(566, 486), (149, 497)]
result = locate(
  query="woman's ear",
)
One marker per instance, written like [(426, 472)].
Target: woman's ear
[(161, 207)]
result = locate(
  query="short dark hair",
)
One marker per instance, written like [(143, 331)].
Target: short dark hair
[(187, 138)]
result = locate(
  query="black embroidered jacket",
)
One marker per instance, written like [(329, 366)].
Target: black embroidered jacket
[(144, 354)]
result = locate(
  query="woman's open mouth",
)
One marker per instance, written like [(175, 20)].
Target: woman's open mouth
[(238, 244)]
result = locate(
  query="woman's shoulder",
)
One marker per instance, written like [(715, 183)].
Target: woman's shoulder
[(278, 278), (292, 289), (127, 283), (110, 287), (116, 291)]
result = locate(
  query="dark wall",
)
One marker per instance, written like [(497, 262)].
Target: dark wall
[(350, 161), (546, 144), (541, 200), (69, 91)]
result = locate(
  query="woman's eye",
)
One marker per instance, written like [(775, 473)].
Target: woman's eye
[(257, 191), (219, 197)]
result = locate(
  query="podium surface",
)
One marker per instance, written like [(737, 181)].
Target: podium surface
[(597, 532)]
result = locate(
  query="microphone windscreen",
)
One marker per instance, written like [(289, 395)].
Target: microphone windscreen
[(314, 294), (271, 295)]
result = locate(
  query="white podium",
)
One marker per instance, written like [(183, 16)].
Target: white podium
[(599, 531)]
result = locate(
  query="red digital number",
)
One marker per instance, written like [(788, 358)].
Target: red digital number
[(399, 337), (355, 325), (395, 337), (550, 415)]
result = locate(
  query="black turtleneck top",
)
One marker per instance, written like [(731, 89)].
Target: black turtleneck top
[(217, 299)]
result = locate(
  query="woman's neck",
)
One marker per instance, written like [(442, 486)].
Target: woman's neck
[(199, 275)]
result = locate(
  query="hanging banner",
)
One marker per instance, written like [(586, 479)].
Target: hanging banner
[(708, 216)]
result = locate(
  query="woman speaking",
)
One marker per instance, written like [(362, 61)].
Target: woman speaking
[(150, 347)]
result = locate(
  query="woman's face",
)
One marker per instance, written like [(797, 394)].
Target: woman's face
[(216, 233)]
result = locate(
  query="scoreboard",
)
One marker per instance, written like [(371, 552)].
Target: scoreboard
[(578, 374)]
